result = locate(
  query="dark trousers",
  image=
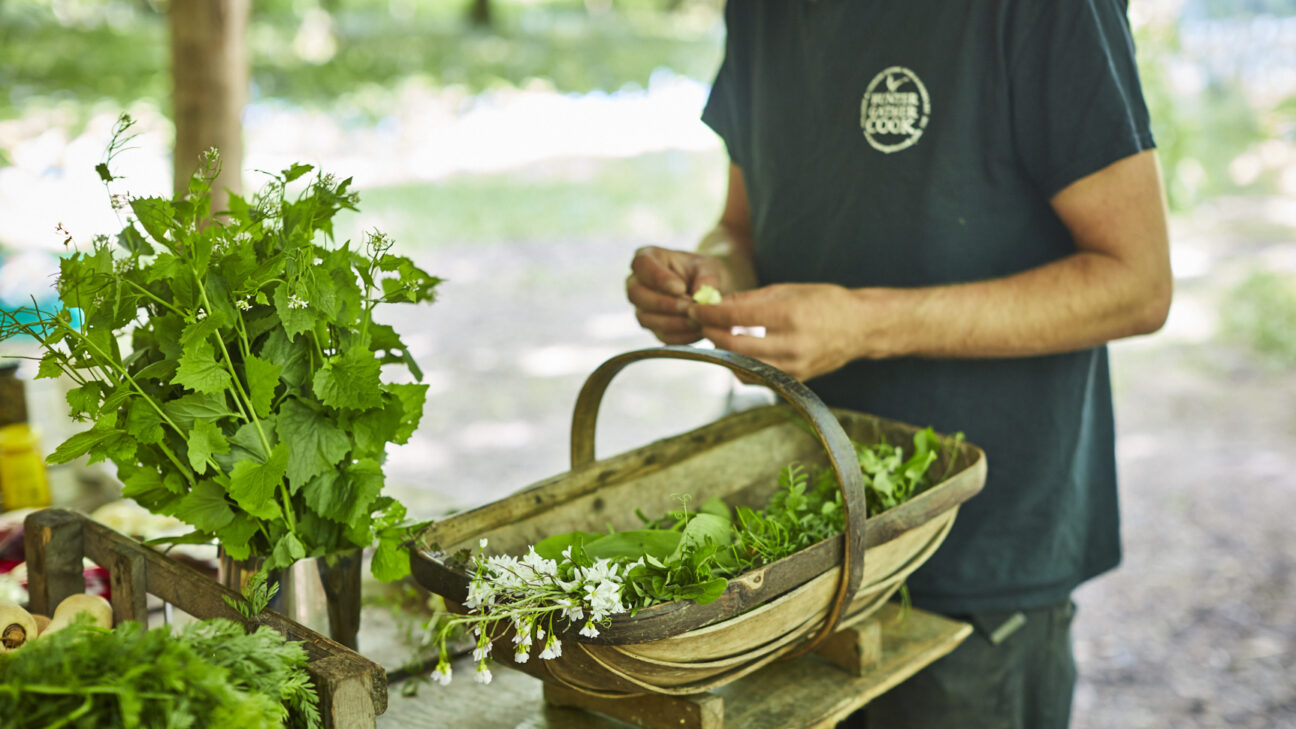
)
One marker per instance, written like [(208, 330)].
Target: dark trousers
[(1015, 671)]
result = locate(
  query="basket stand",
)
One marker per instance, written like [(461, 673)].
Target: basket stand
[(873, 660)]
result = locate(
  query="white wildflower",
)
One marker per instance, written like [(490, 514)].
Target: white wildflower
[(539, 565), (243, 304), (482, 650), (480, 593), (552, 649), (296, 302), (441, 674), (481, 543), (483, 673), (589, 630), (242, 237)]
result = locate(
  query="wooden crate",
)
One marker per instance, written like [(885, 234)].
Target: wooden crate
[(777, 611), (352, 689)]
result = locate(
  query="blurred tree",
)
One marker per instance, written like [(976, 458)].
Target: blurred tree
[(210, 70), (479, 13)]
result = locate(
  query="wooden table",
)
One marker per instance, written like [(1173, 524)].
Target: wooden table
[(804, 693)]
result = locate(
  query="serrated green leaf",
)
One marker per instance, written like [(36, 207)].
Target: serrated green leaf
[(80, 444), (85, 399), (184, 410), (156, 214), (204, 507), (236, 537), (49, 367), (293, 358), (374, 429), (253, 485), (248, 437), (390, 560), (288, 550), (161, 371), (412, 398), (204, 440), (144, 423), (296, 318), (295, 171), (133, 243), (263, 378), (347, 496), (352, 381), (317, 444), (199, 371)]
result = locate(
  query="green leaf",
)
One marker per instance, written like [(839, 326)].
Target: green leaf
[(199, 371), (205, 439), (81, 443), (317, 444), (292, 357), (248, 437), (133, 243), (253, 485), (162, 370), (156, 215), (352, 380), (86, 398), (659, 543), (205, 507), (412, 398), (184, 410), (390, 560), (701, 530), (296, 318), (297, 170), (348, 496), (236, 537), (263, 378), (288, 550), (49, 367), (144, 423)]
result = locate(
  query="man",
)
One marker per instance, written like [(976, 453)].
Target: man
[(940, 211)]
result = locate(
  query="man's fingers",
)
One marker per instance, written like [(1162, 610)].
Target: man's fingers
[(646, 299), (652, 269), (661, 324)]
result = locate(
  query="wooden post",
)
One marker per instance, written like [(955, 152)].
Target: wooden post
[(209, 67), (650, 711), (53, 544), (855, 650), (129, 585)]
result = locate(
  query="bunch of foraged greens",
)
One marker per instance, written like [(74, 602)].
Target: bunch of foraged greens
[(249, 400), (210, 674), (584, 578)]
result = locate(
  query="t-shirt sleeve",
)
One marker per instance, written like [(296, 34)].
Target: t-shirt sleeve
[(1077, 103), (725, 103)]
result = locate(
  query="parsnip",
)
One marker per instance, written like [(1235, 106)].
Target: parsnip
[(17, 626), (99, 610)]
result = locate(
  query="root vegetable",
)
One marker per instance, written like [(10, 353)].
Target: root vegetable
[(99, 610), (42, 622), (17, 626)]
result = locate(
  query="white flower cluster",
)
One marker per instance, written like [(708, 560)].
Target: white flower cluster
[(526, 595)]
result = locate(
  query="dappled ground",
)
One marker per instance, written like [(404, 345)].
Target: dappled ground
[(1196, 629)]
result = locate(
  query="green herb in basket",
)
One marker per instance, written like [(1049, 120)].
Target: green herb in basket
[(584, 578)]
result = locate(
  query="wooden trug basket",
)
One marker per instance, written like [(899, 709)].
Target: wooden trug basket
[(776, 611), (352, 689)]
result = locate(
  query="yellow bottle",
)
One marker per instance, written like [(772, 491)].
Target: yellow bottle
[(24, 482)]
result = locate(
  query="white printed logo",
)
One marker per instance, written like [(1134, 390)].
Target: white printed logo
[(895, 110)]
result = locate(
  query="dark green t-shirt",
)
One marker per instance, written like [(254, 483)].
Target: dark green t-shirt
[(917, 142)]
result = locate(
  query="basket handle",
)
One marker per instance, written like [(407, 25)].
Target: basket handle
[(826, 427)]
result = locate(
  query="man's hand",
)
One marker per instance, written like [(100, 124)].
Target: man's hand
[(661, 285), (810, 329)]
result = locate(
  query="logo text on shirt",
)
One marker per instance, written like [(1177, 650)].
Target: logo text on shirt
[(895, 110)]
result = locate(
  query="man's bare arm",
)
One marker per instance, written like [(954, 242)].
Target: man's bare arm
[(1118, 283)]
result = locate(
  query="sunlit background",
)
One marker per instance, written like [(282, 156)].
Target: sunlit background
[(523, 155)]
